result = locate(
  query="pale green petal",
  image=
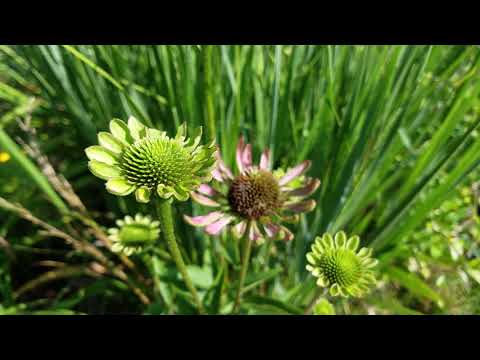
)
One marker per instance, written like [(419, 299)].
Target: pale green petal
[(321, 282), (311, 258), (117, 247), (195, 139), (103, 171), (107, 140), (181, 132), (165, 192), (369, 263), (353, 242), (354, 291), (317, 247), (119, 187), (334, 290), (364, 289), (327, 241), (340, 239), (180, 194), (101, 154), (147, 220), (154, 133), (142, 195), (128, 220), (342, 292), (120, 131), (368, 277), (316, 272), (137, 129), (365, 252)]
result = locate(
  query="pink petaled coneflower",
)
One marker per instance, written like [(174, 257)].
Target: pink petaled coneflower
[(257, 196)]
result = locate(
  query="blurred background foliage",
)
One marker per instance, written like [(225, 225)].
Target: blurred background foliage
[(392, 132)]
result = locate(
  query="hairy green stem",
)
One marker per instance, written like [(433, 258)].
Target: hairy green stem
[(164, 210), (318, 294), (247, 249)]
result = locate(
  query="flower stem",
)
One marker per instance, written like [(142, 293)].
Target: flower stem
[(318, 294), (164, 210), (247, 249)]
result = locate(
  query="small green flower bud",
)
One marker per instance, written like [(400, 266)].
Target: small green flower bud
[(134, 234)]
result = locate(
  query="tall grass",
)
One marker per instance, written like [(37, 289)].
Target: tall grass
[(380, 123)]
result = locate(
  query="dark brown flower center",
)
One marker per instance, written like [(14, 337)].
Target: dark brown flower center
[(254, 195)]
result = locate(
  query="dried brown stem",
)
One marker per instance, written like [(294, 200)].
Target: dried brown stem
[(60, 184), (6, 246)]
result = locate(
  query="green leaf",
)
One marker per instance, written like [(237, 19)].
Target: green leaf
[(414, 284), (31, 170), (216, 292), (397, 308), (201, 277), (261, 302), (254, 280)]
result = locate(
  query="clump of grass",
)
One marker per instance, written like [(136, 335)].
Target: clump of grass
[(391, 131)]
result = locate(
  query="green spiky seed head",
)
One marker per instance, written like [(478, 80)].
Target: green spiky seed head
[(135, 158), (338, 266), (134, 234)]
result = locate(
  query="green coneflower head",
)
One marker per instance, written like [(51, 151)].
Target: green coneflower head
[(135, 158), (133, 234), (338, 266)]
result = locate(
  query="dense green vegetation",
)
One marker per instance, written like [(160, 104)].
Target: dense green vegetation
[(391, 131)]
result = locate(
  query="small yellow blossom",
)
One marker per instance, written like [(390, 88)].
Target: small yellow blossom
[(4, 157)]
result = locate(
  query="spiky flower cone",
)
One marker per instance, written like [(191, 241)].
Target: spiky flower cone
[(338, 266), (135, 158)]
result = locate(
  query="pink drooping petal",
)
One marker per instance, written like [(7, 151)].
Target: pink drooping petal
[(203, 200), (239, 154), (240, 228), (254, 233), (204, 220), (207, 190), (247, 156), (217, 226), (225, 171), (287, 234), (264, 160), (308, 189), (301, 206), (217, 175), (295, 172), (271, 229)]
